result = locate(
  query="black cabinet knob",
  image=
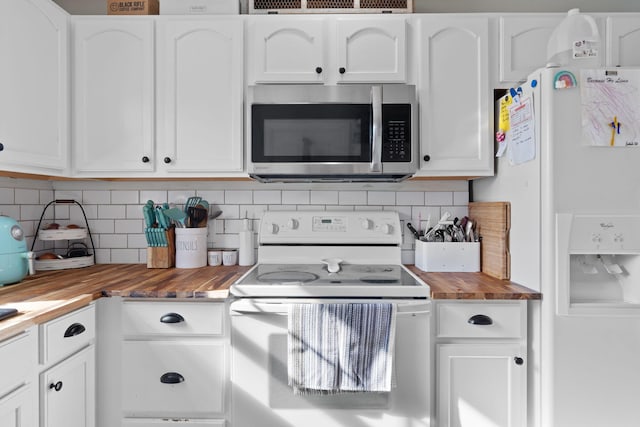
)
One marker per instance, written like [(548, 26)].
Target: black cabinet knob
[(480, 319), (167, 160), (426, 158), (145, 159), (319, 70), (57, 386), (1, 146), (519, 360), (171, 378), (171, 318), (74, 329), (342, 70)]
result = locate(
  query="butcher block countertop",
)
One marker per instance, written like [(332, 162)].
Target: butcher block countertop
[(50, 294)]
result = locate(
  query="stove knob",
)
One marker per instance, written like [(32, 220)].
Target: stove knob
[(367, 224), (387, 229), (273, 228), (292, 223)]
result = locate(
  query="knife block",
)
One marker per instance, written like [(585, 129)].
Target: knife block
[(163, 256)]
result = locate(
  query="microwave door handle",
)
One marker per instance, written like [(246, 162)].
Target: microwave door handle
[(376, 134)]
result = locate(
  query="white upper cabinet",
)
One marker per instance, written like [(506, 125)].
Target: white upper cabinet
[(286, 50), (372, 50), (623, 40), (113, 112), (327, 50), (453, 91), (523, 44), (34, 93), (199, 94)]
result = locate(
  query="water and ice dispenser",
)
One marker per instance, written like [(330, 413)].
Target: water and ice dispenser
[(598, 263)]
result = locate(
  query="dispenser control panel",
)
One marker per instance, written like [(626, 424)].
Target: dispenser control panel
[(616, 233)]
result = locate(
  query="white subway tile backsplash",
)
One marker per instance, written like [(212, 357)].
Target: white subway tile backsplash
[(352, 197), (461, 198), (112, 211), (113, 241), (125, 197), (7, 196), (270, 197), (324, 197), (116, 222), (383, 198), (438, 198), (295, 197), (240, 197), (97, 197), (129, 226), (411, 198), (27, 196)]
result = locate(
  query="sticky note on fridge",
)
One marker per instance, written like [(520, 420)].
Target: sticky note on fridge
[(503, 123)]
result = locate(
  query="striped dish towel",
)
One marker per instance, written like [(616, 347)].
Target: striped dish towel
[(334, 348)]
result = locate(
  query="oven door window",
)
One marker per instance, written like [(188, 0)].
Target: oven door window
[(311, 133)]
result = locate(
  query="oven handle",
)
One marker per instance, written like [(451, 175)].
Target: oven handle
[(376, 130), (252, 306)]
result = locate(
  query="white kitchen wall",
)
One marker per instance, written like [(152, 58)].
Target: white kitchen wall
[(114, 209)]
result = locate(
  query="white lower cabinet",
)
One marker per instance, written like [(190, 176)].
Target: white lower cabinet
[(67, 392), (18, 408), (67, 370), (481, 364), (18, 397), (174, 362)]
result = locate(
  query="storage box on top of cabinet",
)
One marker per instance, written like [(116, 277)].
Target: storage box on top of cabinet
[(132, 7), (199, 7), (330, 6)]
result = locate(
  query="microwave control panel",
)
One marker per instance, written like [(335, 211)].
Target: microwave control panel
[(396, 132)]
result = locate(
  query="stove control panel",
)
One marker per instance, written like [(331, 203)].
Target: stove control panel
[(330, 227)]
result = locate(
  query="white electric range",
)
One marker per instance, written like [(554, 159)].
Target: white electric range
[(318, 258)]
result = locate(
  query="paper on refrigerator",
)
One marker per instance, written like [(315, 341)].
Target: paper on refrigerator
[(522, 142), (610, 107)]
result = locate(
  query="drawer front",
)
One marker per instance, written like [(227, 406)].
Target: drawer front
[(172, 318), (150, 370), (147, 422), (19, 356), (481, 320), (67, 334)]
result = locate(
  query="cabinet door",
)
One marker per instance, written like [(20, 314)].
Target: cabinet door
[(200, 83), (371, 50), (286, 50), (18, 409), (34, 96), (454, 96), (68, 392), (114, 96), (523, 44), (623, 39), (481, 385)]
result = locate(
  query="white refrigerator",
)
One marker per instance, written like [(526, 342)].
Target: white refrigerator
[(575, 236)]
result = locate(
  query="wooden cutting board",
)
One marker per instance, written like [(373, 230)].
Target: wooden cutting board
[(493, 222)]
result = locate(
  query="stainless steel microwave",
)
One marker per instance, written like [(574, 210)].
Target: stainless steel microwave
[(299, 133)]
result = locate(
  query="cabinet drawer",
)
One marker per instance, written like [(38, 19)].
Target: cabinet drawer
[(19, 356), (147, 422), (67, 334), (492, 320), (200, 367), (172, 318)]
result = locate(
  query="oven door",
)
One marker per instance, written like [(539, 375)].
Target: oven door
[(261, 395)]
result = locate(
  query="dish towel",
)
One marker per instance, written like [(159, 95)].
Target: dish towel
[(337, 348)]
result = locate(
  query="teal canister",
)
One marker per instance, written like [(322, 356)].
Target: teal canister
[(15, 260)]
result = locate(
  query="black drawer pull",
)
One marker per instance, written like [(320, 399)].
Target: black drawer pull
[(480, 319), (74, 329), (172, 318), (518, 360), (171, 378), (57, 386)]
